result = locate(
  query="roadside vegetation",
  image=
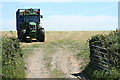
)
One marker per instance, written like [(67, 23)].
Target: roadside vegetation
[(110, 41), (13, 65)]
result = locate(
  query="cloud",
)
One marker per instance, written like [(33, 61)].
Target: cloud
[(79, 23), (59, 0), (70, 23)]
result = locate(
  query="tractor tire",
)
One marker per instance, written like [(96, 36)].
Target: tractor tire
[(41, 35), (18, 35), (23, 35)]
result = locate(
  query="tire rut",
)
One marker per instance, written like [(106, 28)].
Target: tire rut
[(66, 62), (62, 60), (36, 65)]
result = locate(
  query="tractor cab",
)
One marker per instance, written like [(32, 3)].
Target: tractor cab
[(32, 20)]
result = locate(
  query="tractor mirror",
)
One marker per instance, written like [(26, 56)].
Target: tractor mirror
[(41, 16)]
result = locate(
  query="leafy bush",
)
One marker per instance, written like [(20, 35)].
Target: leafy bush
[(12, 61), (91, 73), (112, 43)]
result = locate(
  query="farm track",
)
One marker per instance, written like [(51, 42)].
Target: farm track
[(62, 60), (61, 63), (36, 65), (66, 62)]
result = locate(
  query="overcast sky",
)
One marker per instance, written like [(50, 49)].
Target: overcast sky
[(65, 15)]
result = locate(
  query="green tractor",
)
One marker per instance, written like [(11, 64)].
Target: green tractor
[(29, 26)]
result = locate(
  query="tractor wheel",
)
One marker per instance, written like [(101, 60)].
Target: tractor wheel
[(23, 35), (41, 35), (18, 34), (20, 37)]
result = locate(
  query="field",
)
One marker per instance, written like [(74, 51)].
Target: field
[(52, 36), (62, 54)]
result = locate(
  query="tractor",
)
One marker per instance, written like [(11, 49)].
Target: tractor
[(28, 24)]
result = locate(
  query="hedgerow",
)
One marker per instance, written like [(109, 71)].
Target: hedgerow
[(12, 58), (112, 43)]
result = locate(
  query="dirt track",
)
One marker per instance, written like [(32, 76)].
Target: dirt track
[(62, 64), (50, 61), (54, 60), (36, 65)]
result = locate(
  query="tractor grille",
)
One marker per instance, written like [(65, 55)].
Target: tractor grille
[(32, 27)]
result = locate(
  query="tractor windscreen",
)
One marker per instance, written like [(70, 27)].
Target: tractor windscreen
[(31, 18)]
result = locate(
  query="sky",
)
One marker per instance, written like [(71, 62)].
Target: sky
[(64, 15)]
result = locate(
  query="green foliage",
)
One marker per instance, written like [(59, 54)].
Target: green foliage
[(100, 74), (105, 40), (112, 43), (12, 61), (91, 73)]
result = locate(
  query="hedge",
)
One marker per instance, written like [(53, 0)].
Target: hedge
[(112, 43), (12, 58)]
